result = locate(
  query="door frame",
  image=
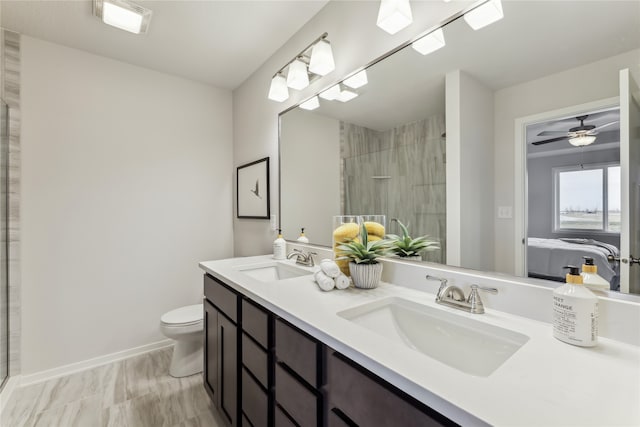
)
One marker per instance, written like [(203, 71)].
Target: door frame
[(521, 198)]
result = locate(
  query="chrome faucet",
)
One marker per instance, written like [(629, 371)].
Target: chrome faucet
[(302, 257), (453, 296)]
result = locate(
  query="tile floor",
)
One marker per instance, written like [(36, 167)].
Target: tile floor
[(136, 392)]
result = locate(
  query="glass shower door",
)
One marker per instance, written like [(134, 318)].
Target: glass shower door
[(4, 243)]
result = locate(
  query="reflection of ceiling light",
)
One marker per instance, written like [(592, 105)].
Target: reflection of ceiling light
[(278, 90), (123, 14), (321, 62), (346, 95), (297, 77), (581, 141), (311, 104), (332, 93), (430, 43), (485, 14), (394, 15), (357, 80)]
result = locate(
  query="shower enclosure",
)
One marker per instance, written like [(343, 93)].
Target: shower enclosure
[(4, 243)]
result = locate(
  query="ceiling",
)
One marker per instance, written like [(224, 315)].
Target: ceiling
[(220, 43), (535, 39)]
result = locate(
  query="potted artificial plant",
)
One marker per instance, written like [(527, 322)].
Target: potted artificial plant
[(363, 259), (408, 248)]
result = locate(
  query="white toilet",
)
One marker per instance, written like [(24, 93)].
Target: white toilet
[(184, 325)]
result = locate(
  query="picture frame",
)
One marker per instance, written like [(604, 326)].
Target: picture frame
[(253, 190)]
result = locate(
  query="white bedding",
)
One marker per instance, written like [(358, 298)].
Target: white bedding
[(547, 257)]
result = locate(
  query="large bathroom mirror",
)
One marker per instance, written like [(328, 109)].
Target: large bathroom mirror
[(450, 143)]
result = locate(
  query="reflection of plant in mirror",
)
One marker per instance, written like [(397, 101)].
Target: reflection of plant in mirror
[(364, 251), (406, 246)]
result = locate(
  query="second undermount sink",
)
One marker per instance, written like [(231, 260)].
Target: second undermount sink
[(468, 345), (272, 271)]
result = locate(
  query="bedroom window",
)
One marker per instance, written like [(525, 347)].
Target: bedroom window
[(588, 198)]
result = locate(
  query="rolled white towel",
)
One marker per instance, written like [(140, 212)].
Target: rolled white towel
[(330, 268), (325, 282), (342, 281)]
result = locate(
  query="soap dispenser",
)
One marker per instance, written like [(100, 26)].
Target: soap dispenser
[(575, 311), (302, 238), (279, 246), (590, 276)]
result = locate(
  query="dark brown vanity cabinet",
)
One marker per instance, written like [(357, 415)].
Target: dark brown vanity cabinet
[(257, 362), (221, 348), (262, 371), (299, 376), (359, 398)]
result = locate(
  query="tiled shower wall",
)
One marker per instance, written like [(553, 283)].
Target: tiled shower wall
[(400, 173), (11, 95)]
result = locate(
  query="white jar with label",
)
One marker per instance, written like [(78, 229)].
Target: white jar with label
[(575, 312)]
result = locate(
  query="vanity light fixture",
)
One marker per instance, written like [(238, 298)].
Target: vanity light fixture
[(430, 43), (321, 62), (331, 94), (278, 91), (357, 80), (582, 140), (485, 14), (310, 104), (346, 95), (394, 15), (319, 57), (297, 77), (123, 14)]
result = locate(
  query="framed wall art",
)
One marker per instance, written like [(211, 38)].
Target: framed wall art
[(252, 190)]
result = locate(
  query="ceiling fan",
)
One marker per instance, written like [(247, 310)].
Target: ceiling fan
[(578, 136)]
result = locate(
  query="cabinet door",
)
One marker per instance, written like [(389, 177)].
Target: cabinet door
[(228, 390), (211, 350)]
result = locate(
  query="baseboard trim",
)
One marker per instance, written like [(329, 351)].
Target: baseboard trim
[(6, 392), (83, 365)]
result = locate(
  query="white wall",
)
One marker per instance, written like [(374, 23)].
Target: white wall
[(469, 172), (311, 181), (126, 186), (588, 83), (356, 41)]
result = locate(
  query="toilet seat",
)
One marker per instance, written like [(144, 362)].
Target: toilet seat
[(183, 316)]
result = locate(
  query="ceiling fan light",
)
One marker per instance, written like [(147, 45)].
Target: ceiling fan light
[(430, 43), (123, 14), (394, 15), (278, 90), (310, 104), (321, 62), (485, 14), (357, 80), (581, 141), (297, 78)]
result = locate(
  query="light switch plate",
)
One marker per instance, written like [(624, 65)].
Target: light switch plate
[(505, 212)]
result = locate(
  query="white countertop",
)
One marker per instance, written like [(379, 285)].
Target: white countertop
[(545, 383)]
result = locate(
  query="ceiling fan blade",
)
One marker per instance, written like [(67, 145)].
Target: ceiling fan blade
[(546, 141), (552, 132), (604, 126)]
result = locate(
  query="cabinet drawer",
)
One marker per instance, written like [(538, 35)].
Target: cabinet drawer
[(256, 360), (299, 402), (222, 297), (255, 322), (367, 402), (255, 403), (282, 420), (336, 421), (298, 351)]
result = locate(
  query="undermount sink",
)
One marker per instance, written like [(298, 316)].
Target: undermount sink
[(468, 345), (272, 271)]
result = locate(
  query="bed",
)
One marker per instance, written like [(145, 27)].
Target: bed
[(547, 257)]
